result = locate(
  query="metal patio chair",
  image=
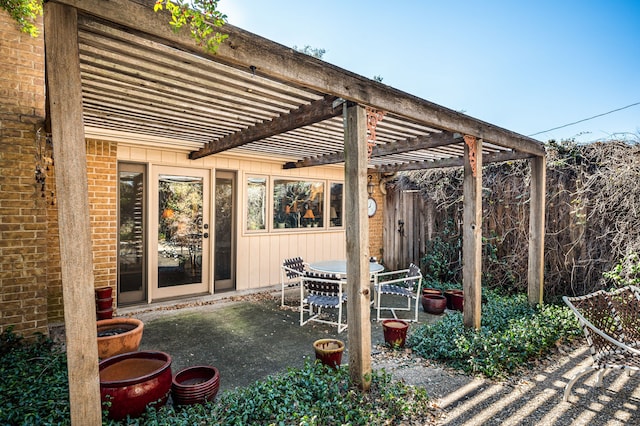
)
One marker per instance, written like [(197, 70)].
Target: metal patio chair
[(291, 274), (322, 291), (404, 283), (611, 324)]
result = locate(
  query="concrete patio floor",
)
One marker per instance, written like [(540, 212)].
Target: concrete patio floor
[(246, 337)]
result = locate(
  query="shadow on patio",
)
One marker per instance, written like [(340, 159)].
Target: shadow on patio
[(248, 338)]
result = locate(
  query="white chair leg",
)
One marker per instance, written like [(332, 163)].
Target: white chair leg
[(567, 388), (600, 376)]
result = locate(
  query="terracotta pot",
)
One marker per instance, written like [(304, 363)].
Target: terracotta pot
[(448, 294), (434, 304), (395, 332), (133, 380), (118, 336), (104, 293), (329, 351), (432, 291), (195, 385)]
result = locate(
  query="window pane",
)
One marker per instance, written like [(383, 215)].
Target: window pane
[(256, 203), (297, 204), (335, 204)]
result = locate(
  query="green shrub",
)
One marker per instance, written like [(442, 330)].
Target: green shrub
[(34, 391), (34, 387), (512, 334), (313, 395)]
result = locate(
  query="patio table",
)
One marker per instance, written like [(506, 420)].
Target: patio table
[(340, 267)]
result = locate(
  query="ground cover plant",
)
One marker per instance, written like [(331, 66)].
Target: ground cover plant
[(34, 389), (512, 334)]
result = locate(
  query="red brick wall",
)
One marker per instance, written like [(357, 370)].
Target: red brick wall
[(23, 224)]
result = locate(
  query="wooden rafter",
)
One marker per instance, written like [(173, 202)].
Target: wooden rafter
[(421, 142), (314, 112), (452, 162)]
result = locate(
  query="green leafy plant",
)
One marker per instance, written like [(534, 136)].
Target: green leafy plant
[(25, 13), (34, 389), (202, 17), (625, 272), (512, 334)]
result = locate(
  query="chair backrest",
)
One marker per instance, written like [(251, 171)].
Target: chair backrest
[(414, 272), (293, 267), (323, 284), (614, 314)]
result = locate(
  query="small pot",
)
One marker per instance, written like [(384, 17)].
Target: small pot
[(104, 304), (329, 351), (449, 295), (434, 304), (104, 314), (104, 292), (395, 332), (431, 291), (457, 301)]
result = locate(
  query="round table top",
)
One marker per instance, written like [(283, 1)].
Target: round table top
[(340, 267)]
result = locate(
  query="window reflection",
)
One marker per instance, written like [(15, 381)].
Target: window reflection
[(335, 205), (298, 204)]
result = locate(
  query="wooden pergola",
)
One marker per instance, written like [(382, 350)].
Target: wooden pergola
[(115, 70)]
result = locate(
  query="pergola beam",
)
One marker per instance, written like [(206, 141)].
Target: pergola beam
[(316, 111), (495, 157), (420, 142)]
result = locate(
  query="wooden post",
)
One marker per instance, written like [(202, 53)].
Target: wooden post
[(357, 234), (537, 230), (472, 232), (69, 151)]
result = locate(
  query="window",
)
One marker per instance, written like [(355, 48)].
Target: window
[(297, 204), (256, 203), (335, 204)]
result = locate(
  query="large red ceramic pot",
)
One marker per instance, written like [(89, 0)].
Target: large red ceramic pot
[(133, 380), (434, 304), (395, 332), (449, 295), (118, 335)]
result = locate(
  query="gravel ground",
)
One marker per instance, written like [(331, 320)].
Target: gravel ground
[(532, 398)]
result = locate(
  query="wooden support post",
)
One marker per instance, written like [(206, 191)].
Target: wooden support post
[(357, 234), (472, 232), (537, 230), (69, 151)]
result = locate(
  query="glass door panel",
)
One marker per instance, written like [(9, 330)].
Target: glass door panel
[(224, 258), (132, 277), (181, 243)]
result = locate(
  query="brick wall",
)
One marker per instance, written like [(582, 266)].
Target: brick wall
[(102, 184), (376, 221), (23, 224)]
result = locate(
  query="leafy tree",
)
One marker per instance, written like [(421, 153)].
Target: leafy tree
[(202, 17)]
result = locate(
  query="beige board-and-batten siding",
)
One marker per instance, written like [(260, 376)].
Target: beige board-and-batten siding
[(258, 254)]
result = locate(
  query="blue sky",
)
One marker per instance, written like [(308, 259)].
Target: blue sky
[(524, 65)]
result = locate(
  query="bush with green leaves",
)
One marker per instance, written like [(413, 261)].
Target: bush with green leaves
[(512, 334), (34, 387), (34, 390)]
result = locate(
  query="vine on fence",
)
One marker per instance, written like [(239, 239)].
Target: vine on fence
[(592, 215)]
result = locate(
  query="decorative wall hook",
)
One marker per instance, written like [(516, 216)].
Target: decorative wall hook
[(373, 117)]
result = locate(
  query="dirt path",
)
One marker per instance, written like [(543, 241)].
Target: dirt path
[(531, 399)]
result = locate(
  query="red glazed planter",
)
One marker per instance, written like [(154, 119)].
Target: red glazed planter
[(431, 291), (449, 295), (119, 335), (457, 301), (133, 380), (395, 332), (104, 293), (104, 314), (329, 351), (104, 304), (434, 304), (195, 385)]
